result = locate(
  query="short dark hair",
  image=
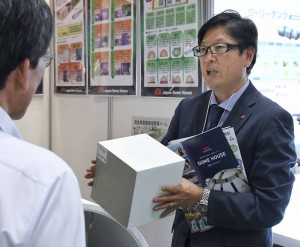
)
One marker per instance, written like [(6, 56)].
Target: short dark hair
[(25, 32), (242, 29)]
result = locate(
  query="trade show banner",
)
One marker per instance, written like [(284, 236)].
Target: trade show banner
[(169, 33), (69, 47), (112, 67), (95, 47)]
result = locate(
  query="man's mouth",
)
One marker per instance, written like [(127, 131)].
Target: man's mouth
[(211, 72)]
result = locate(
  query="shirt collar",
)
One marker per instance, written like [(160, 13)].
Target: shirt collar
[(7, 125), (229, 103)]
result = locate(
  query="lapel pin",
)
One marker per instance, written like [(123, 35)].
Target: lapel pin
[(243, 116)]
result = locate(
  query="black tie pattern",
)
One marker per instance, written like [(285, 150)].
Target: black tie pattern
[(214, 115)]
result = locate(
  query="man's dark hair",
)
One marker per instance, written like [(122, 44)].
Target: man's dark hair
[(242, 29), (25, 32)]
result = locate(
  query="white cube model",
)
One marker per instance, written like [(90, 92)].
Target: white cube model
[(129, 174)]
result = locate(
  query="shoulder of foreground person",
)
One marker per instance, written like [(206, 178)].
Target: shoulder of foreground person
[(33, 161)]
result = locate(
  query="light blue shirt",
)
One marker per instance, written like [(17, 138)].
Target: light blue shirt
[(39, 194), (7, 125), (229, 103)]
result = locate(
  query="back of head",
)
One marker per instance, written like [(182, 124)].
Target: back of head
[(243, 30), (25, 32)]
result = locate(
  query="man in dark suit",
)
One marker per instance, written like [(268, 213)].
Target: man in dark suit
[(227, 53), (265, 132)]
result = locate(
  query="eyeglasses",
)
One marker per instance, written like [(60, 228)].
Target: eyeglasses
[(218, 48), (47, 60)]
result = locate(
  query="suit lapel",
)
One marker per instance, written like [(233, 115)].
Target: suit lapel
[(242, 111)]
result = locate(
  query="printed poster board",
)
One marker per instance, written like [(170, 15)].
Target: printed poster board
[(169, 32), (69, 47), (153, 126), (112, 69)]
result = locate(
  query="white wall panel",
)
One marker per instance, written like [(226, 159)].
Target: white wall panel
[(125, 108), (78, 123)]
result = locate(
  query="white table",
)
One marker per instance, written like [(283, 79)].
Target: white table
[(287, 232)]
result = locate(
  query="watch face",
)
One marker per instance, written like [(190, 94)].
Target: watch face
[(231, 180)]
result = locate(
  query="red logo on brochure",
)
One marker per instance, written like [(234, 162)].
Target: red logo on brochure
[(206, 149)]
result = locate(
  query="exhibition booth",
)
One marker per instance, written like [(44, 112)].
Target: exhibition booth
[(110, 83)]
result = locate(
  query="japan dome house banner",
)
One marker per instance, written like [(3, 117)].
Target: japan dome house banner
[(112, 67), (169, 33), (69, 47)]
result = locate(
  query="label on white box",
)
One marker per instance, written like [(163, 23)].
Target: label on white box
[(102, 154)]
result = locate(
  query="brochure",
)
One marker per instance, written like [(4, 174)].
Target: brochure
[(212, 160)]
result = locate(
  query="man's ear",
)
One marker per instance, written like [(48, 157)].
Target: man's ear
[(22, 74), (250, 51)]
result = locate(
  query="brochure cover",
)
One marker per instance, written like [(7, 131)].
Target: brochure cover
[(212, 160)]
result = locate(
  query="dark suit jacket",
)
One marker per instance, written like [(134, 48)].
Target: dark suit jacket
[(265, 134)]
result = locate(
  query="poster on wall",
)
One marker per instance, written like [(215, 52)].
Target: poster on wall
[(277, 70), (169, 33), (69, 47), (153, 126), (112, 68)]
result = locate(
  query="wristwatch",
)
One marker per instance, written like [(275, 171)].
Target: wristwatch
[(203, 203)]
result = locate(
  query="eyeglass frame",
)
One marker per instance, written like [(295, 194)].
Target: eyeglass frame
[(228, 48), (47, 60)]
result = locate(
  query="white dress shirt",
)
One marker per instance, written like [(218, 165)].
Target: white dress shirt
[(40, 201)]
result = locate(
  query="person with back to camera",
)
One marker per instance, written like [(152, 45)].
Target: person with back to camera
[(39, 194), (227, 49)]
